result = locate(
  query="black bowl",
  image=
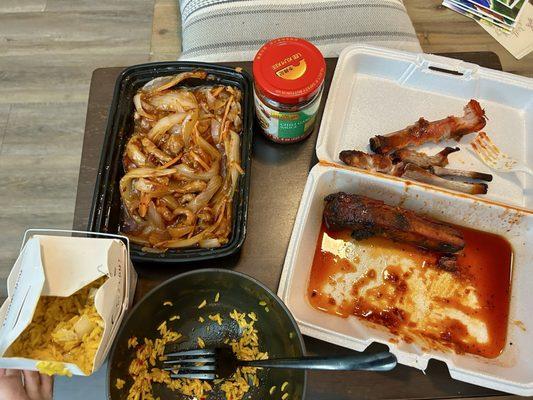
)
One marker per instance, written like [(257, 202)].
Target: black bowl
[(278, 332)]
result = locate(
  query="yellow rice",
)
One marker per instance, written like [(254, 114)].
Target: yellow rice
[(217, 297), (132, 342), (201, 320), (217, 318), (272, 390), (201, 343), (174, 317), (145, 374), (202, 304), (284, 385), (63, 329), (284, 397), (162, 327), (167, 303), (120, 383)]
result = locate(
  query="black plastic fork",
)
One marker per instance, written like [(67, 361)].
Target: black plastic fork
[(220, 363)]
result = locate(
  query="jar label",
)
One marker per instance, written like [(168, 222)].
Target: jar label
[(286, 125)]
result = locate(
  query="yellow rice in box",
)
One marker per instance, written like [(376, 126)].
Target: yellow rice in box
[(64, 330), (145, 374)]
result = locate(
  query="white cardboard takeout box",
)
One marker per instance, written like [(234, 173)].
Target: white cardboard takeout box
[(375, 91), (52, 264)]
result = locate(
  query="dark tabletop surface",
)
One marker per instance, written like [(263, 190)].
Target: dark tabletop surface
[(279, 173)]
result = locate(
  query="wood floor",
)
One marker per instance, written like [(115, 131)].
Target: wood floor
[(48, 50)]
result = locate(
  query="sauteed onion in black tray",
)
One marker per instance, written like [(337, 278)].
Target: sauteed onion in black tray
[(182, 164)]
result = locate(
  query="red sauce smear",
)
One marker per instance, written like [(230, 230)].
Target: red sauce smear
[(485, 264)]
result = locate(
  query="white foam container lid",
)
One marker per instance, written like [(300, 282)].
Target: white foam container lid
[(373, 91), (376, 91)]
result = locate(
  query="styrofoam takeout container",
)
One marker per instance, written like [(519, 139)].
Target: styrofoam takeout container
[(59, 263), (374, 91)]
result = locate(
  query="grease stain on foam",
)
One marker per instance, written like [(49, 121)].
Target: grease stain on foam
[(520, 325), (510, 218), (399, 287)]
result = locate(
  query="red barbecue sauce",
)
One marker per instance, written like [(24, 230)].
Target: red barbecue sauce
[(484, 264)]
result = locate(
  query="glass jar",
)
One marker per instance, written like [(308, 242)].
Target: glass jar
[(289, 80)]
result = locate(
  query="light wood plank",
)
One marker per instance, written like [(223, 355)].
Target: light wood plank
[(63, 33), (44, 129), (13, 228), (39, 163), (53, 78), (4, 116), (93, 5), (166, 31), (12, 6), (441, 30)]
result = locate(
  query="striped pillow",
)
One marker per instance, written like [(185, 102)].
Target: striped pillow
[(233, 30)]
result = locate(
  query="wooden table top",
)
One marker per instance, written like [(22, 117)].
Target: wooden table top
[(271, 216)]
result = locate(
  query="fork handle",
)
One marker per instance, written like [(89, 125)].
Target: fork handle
[(384, 361)]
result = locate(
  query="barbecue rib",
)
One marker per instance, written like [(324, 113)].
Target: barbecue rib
[(439, 171), (422, 159), (418, 174), (370, 162), (424, 131), (369, 217), (392, 164)]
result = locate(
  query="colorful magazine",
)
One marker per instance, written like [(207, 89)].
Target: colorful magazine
[(495, 7), (467, 12), (509, 3)]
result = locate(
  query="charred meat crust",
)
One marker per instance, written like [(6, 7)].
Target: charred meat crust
[(369, 217), (424, 131)]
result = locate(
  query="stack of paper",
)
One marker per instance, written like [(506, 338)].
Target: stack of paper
[(502, 13), (510, 22)]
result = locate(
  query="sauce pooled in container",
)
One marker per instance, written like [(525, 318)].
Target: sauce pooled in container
[(399, 286)]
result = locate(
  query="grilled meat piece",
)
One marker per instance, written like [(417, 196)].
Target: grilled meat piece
[(369, 217), (423, 160), (439, 171), (371, 162), (418, 174), (424, 131), (413, 168)]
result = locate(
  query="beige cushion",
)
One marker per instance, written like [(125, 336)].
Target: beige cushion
[(233, 30)]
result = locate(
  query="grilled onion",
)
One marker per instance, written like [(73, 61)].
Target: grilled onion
[(182, 165)]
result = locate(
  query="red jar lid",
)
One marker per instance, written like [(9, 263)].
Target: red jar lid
[(289, 70)]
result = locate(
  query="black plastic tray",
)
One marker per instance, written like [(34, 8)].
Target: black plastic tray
[(105, 209)]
